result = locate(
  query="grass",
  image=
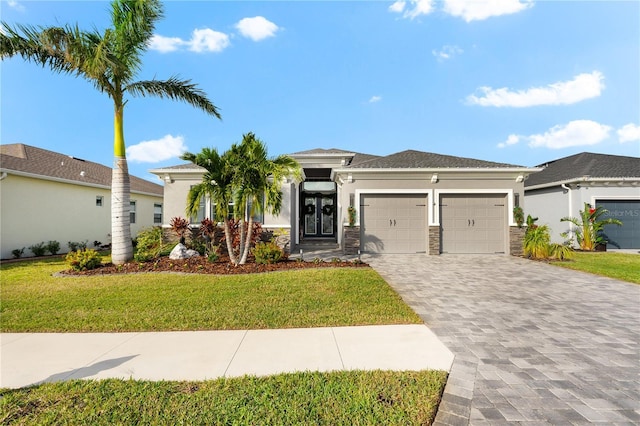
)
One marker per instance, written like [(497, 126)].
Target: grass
[(34, 301), (621, 266), (340, 398)]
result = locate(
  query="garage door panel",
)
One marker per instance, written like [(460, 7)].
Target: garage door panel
[(390, 222), (626, 236), (473, 223)]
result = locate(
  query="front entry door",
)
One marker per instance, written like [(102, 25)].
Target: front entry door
[(319, 212)]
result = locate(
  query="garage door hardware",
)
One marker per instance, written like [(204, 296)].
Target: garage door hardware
[(392, 223), (472, 222)]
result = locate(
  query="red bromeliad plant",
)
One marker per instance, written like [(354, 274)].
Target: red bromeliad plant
[(180, 226), (589, 226)]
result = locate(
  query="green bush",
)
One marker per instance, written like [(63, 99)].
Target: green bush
[(77, 245), (82, 260), (53, 247), (536, 242), (267, 253), (17, 253), (38, 249), (149, 244)]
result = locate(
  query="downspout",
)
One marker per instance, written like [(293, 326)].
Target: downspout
[(568, 189), (3, 175)]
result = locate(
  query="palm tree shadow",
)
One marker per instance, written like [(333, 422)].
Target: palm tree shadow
[(88, 371)]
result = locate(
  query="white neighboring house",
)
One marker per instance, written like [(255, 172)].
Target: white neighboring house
[(602, 180), (48, 196)]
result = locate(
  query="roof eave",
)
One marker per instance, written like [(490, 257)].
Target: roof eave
[(582, 179)]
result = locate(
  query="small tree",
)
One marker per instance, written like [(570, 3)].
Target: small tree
[(588, 227)]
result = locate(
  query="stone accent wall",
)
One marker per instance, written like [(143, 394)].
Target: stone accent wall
[(516, 238), (434, 240), (282, 238), (351, 239)]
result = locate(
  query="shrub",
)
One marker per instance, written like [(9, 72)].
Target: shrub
[(267, 253), (536, 242), (53, 247), (38, 249), (560, 251), (214, 253), (351, 212), (77, 245), (518, 216), (149, 244), (17, 253), (82, 260), (589, 227)]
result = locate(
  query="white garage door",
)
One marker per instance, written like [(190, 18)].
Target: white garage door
[(394, 223), (473, 223)]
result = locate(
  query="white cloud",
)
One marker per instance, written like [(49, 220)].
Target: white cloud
[(257, 28), (583, 86), (157, 150), (398, 6), (15, 5), (477, 10), (202, 40), (511, 140), (629, 133), (447, 52), (208, 40), (375, 99), (574, 133), (416, 8), (165, 44)]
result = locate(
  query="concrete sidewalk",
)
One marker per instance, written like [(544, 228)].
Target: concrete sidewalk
[(32, 358)]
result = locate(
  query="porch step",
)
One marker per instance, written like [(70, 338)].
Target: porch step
[(318, 245)]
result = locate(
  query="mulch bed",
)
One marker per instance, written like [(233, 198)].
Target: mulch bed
[(200, 265)]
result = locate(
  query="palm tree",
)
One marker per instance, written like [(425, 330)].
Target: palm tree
[(110, 61), (245, 176), (217, 185), (258, 183)]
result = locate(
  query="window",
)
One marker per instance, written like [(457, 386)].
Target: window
[(99, 200), (132, 212), (157, 214), (200, 215)]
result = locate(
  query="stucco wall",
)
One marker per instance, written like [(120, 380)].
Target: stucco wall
[(552, 204), (34, 210)]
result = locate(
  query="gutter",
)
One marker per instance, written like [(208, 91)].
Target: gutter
[(584, 179)]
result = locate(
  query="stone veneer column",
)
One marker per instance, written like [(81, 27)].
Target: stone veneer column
[(351, 239), (434, 240), (516, 239)]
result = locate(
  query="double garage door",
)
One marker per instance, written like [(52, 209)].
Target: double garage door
[(626, 236), (397, 223)]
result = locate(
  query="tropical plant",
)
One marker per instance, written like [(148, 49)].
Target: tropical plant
[(110, 61), (518, 216), (245, 176), (351, 211), (531, 222), (180, 226), (589, 227), (536, 242), (267, 253)]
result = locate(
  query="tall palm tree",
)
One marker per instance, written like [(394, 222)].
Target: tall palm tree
[(110, 61), (216, 184), (258, 183)]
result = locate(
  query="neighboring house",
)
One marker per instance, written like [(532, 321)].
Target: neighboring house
[(47, 196), (609, 181), (408, 202)]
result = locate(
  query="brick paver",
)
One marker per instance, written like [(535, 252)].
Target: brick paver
[(534, 343)]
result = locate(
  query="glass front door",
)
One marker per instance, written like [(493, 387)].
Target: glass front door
[(318, 215)]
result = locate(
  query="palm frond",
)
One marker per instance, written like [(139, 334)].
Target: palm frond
[(176, 89)]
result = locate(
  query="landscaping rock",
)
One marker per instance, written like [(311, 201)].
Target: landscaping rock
[(180, 251)]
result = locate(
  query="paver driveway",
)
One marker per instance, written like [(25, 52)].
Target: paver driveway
[(534, 343)]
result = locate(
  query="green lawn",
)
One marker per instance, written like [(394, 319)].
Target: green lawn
[(621, 266), (34, 300), (340, 398)]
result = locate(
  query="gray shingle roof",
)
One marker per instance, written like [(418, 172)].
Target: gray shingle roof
[(422, 160), (586, 164), (41, 162), (320, 151)]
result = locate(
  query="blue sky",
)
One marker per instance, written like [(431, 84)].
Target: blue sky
[(520, 82)]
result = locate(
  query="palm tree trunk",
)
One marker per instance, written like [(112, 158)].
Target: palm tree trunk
[(121, 246), (247, 243), (227, 235)]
